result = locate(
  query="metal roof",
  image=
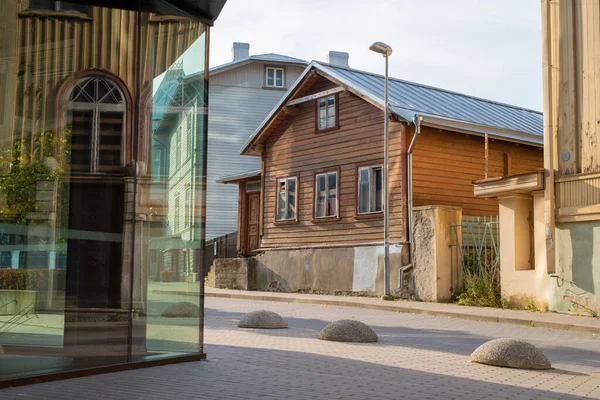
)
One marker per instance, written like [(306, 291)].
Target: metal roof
[(436, 107), (269, 57), (240, 176), (410, 98)]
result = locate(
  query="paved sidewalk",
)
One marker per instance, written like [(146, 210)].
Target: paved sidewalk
[(517, 317), (417, 357)]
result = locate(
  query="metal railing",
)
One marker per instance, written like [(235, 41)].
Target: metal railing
[(476, 249)]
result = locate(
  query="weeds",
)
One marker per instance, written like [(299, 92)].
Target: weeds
[(478, 291)]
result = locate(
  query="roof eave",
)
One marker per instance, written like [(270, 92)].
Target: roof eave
[(481, 130)]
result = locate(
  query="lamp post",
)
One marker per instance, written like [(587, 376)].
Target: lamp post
[(385, 51)]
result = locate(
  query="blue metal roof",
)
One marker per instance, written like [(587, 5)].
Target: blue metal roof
[(406, 98), (436, 107), (269, 57)]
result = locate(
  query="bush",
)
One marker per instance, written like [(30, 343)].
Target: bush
[(30, 279), (478, 291), (165, 275)]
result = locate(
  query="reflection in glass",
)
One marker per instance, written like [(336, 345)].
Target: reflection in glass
[(102, 167)]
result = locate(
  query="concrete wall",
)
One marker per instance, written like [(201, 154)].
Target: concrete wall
[(523, 279), (232, 273), (434, 275), (576, 289), (339, 270)]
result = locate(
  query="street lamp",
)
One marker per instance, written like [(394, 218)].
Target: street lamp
[(385, 51)]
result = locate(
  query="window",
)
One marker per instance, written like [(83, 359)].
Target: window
[(188, 133), (188, 202), (287, 199), (96, 107), (275, 77), (157, 163), (178, 148), (59, 6), (370, 189), (176, 211), (326, 195), (326, 113)]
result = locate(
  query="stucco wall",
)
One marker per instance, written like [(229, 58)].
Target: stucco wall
[(341, 270), (577, 286)]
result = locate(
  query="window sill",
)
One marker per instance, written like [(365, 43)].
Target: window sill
[(287, 222), (333, 128), (377, 214), (55, 14), (275, 88), (325, 219)]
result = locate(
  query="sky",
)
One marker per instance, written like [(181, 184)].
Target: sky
[(485, 48)]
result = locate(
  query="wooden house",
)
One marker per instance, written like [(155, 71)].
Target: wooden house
[(319, 226)]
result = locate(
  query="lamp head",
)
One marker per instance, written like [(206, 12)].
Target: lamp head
[(381, 48)]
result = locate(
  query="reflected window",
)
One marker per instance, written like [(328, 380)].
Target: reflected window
[(96, 107), (59, 6)]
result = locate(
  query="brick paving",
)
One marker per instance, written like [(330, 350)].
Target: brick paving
[(418, 357)]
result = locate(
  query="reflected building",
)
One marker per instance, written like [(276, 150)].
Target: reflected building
[(102, 182)]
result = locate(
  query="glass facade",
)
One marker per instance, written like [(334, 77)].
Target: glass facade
[(102, 168)]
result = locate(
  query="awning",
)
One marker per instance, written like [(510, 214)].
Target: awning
[(205, 11)]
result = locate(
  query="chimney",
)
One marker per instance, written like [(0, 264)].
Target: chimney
[(239, 51), (338, 59)]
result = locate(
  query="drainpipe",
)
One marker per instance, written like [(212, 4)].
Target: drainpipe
[(417, 119)]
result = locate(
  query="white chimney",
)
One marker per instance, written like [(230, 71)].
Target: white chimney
[(239, 51), (338, 59)]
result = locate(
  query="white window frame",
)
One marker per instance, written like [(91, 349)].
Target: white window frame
[(287, 197), (327, 113), (326, 174), (275, 69), (176, 212), (188, 205), (372, 189)]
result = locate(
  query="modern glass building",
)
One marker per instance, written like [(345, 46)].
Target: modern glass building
[(103, 114)]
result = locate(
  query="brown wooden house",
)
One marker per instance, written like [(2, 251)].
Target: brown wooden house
[(320, 223)]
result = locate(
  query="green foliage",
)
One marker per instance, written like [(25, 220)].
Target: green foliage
[(531, 306), (477, 291), (29, 279)]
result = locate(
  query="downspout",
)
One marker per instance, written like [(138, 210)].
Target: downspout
[(417, 119)]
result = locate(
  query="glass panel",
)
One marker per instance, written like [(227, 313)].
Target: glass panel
[(363, 190), (320, 196), (279, 78), (270, 77), (291, 211), (281, 201), (332, 194), (82, 127), (41, 4), (331, 112), (322, 114), (87, 237), (378, 173)]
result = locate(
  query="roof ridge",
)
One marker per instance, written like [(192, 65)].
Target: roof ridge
[(432, 87)]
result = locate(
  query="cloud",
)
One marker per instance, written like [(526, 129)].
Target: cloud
[(479, 47)]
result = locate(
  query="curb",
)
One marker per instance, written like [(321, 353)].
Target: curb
[(397, 308)]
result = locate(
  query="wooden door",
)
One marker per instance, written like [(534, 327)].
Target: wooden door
[(253, 221)]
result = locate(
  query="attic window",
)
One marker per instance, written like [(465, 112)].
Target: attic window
[(274, 77), (327, 115)]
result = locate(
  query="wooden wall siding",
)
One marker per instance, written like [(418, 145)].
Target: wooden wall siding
[(294, 148), (574, 58), (445, 164), (578, 197), (50, 49)]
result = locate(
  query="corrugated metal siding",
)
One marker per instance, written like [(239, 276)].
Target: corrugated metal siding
[(253, 75), (51, 49), (443, 103)]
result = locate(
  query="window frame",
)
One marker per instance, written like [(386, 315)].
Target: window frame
[(275, 68), (326, 218), (56, 12), (176, 212), (371, 165), (188, 204), (294, 220), (336, 125)]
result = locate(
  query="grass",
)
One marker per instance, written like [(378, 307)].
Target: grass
[(479, 292)]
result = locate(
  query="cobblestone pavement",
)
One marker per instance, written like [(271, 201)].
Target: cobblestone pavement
[(418, 357)]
